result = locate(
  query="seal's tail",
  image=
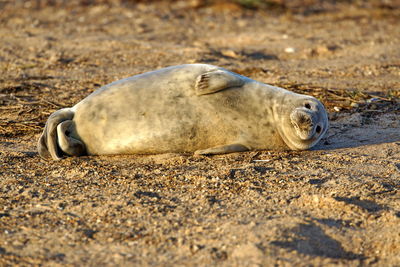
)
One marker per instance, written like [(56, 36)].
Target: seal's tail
[(55, 140)]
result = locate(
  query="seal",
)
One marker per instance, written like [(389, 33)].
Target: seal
[(196, 108)]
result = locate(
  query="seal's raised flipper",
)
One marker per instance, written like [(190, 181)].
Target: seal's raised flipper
[(222, 149), (69, 145), (217, 80), (47, 145)]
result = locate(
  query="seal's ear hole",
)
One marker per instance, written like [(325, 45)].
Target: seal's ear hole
[(308, 106), (318, 129)]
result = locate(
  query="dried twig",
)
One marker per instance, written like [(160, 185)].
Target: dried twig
[(51, 103), (11, 107)]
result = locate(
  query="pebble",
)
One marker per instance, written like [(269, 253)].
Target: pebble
[(229, 53), (290, 50), (374, 99), (354, 105)]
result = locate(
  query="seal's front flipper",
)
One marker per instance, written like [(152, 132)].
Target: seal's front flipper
[(217, 80), (69, 145), (222, 149)]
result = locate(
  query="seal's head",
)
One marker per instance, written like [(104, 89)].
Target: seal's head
[(305, 122)]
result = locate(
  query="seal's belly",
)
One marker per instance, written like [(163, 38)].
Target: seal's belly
[(146, 115), (162, 125)]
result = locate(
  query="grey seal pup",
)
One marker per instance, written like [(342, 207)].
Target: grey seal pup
[(196, 108)]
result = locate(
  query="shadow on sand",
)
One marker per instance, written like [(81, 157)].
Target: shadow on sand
[(357, 131), (311, 240)]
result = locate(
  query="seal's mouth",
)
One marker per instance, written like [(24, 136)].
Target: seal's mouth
[(303, 123)]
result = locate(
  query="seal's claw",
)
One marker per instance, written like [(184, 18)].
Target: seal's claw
[(202, 84)]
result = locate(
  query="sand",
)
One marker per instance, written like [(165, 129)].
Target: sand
[(338, 204)]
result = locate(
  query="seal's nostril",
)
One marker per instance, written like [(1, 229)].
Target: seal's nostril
[(318, 129), (307, 106)]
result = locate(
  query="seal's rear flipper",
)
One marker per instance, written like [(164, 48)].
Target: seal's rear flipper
[(217, 80), (47, 145), (222, 149), (68, 144)]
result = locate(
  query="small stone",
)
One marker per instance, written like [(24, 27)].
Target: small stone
[(371, 100), (290, 50), (229, 53), (322, 49), (195, 248), (354, 105)]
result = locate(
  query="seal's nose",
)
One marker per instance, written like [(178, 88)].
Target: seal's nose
[(302, 121)]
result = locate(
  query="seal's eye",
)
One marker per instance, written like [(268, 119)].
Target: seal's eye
[(307, 106), (318, 129)]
